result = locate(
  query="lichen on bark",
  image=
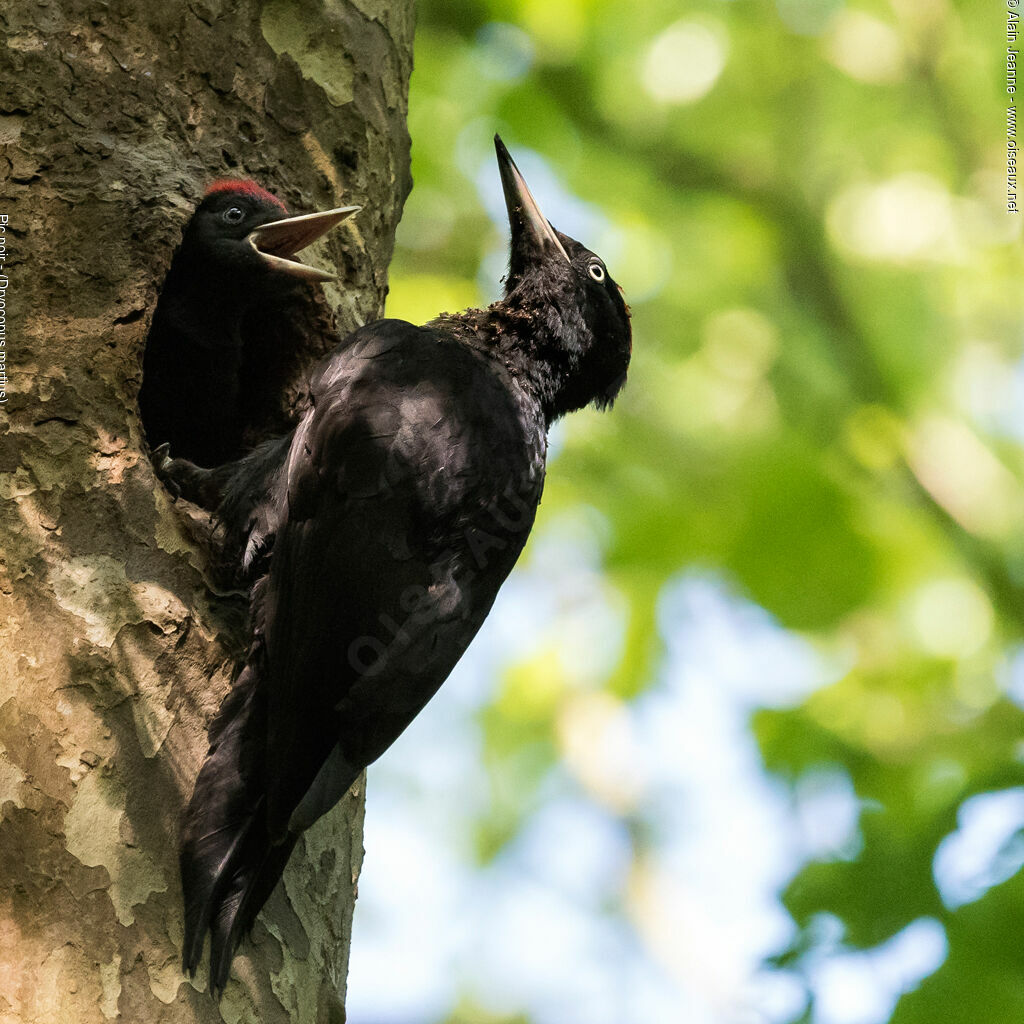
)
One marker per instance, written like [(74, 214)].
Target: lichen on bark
[(116, 647)]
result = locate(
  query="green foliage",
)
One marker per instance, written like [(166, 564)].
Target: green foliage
[(804, 202)]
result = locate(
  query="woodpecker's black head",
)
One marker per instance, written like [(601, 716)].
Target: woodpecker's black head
[(581, 316), (242, 235)]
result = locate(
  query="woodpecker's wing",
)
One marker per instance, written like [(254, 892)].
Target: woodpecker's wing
[(376, 586)]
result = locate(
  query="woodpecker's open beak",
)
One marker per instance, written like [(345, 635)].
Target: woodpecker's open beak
[(529, 226), (279, 240)]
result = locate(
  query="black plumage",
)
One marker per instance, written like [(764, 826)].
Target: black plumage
[(213, 362), (376, 537)]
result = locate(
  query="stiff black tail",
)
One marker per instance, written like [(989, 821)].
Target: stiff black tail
[(229, 866), (258, 871)]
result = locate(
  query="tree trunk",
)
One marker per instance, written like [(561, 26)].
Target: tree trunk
[(115, 646)]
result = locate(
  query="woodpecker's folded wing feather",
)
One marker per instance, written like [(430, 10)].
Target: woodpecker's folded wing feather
[(364, 612)]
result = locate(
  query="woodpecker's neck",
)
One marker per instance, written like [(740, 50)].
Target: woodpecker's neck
[(207, 320), (539, 346)]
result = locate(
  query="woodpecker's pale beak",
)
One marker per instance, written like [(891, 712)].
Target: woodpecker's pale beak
[(279, 240), (530, 228)]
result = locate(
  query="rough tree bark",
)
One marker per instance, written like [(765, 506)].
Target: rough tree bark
[(115, 646)]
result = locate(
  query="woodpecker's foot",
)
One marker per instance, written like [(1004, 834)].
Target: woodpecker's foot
[(184, 479), (163, 466)]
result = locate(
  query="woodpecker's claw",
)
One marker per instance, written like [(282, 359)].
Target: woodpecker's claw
[(163, 462)]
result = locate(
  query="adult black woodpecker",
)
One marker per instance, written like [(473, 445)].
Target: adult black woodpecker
[(210, 367), (379, 532)]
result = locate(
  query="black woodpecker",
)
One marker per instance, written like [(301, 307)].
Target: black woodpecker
[(376, 536), (210, 353)]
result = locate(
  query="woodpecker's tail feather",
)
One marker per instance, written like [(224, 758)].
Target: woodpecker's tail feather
[(248, 890), (229, 865)]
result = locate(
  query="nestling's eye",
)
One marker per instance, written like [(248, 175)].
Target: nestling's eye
[(596, 271), (233, 214)]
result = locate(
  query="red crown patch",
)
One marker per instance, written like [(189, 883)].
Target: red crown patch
[(249, 188)]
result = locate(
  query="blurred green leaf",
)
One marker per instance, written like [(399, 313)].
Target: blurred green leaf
[(805, 205)]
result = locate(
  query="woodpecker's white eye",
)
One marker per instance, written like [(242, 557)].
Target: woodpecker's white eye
[(596, 271), (233, 214)]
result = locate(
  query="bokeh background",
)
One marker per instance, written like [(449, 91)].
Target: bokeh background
[(742, 741)]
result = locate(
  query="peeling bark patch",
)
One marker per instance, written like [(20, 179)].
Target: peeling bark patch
[(378, 10), (323, 164), (110, 983), (97, 590), (93, 831), (16, 485), (165, 979), (32, 746), (11, 778), (141, 665), (10, 129), (320, 54)]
